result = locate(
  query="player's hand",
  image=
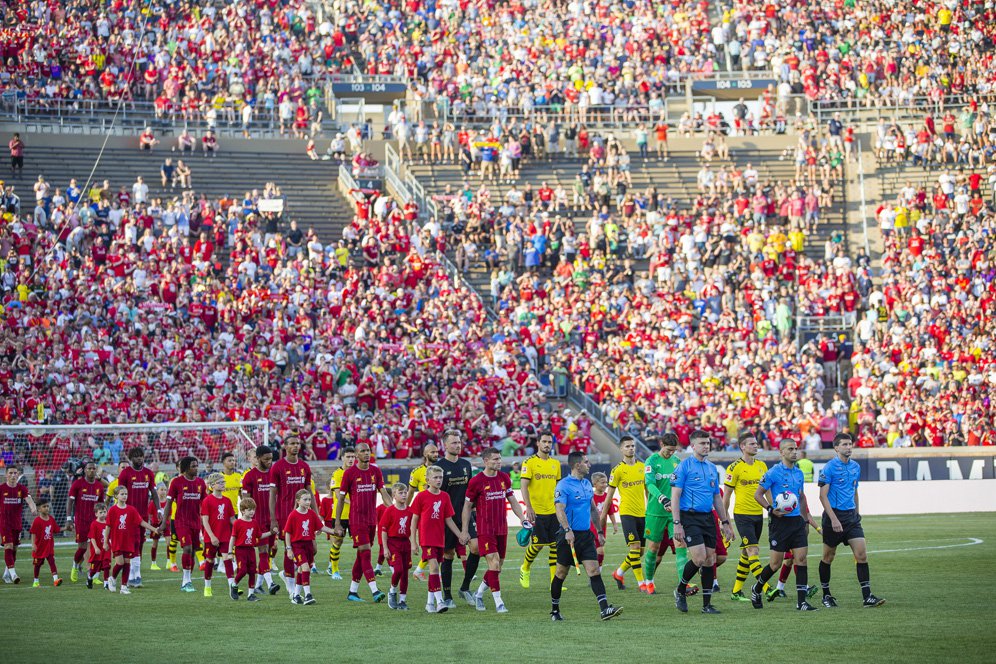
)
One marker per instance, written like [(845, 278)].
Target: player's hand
[(679, 534), (665, 502), (530, 514), (464, 538), (569, 537), (838, 527), (339, 532), (214, 541), (615, 528), (727, 532), (599, 540), (778, 512)]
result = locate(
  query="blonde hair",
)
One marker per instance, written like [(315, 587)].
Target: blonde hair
[(595, 477), (433, 471), (214, 478)]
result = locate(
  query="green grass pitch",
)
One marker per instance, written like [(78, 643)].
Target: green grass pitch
[(935, 571)]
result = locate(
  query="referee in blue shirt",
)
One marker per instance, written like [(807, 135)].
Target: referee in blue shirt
[(842, 521), (576, 542), (787, 530), (694, 496)]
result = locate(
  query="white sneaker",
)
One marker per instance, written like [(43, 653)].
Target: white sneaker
[(111, 585), (14, 578), (501, 608), (6, 576), (124, 590)]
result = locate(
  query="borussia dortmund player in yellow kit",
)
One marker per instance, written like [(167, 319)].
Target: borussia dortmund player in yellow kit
[(627, 479), (540, 474), (742, 479)]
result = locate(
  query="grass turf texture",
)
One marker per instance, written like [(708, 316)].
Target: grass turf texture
[(939, 603)]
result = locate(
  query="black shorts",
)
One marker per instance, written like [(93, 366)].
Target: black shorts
[(452, 541), (545, 529), (700, 528), (634, 528), (850, 520), (787, 533), (345, 527), (584, 548), (17, 162), (749, 527)]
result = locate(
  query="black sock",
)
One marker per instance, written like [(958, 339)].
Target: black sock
[(598, 587), (766, 574), (473, 560), (691, 569), (555, 587), (864, 578), (446, 572), (708, 575), (825, 578), (801, 582)]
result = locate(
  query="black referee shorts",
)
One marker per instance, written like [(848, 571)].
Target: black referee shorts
[(786, 533), (452, 541), (850, 520), (700, 528), (545, 529), (584, 547), (749, 527), (634, 528)]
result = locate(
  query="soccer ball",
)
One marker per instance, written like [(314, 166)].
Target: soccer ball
[(786, 501)]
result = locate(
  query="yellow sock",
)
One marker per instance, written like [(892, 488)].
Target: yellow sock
[(625, 565), (634, 563), (422, 564), (334, 557), (531, 552)]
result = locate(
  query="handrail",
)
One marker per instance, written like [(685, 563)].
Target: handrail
[(864, 203)]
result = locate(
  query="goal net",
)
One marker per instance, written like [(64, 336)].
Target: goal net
[(51, 455)]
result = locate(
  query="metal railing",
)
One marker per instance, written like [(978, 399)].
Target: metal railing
[(865, 113), (864, 203)]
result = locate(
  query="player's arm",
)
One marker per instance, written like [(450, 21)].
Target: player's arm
[(273, 508), (386, 495), (763, 498), (650, 482), (70, 511), (679, 530), (857, 511), (451, 524), (205, 522), (514, 504), (167, 515), (724, 515), (107, 536), (731, 486), (524, 483), (339, 506), (148, 526), (414, 534), (561, 509), (465, 520), (827, 509), (606, 507), (31, 504)]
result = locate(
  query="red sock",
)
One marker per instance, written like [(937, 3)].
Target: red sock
[(403, 586), (288, 566), (601, 557), (51, 565), (9, 557), (125, 571), (264, 561), (368, 572), (155, 550), (491, 578), (78, 556), (93, 570), (435, 583), (38, 565), (306, 577), (252, 580), (117, 568), (380, 556), (396, 576), (786, 570), (357, 569), (229, 568), (208, 569), (107, 571), (187, 561)]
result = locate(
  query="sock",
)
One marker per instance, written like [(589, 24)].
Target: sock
[(496, 596), (117, 568), (743, 568), (708, 576), (422, 565), (357, 571), (229, 568), (364, 557), (491, 577), (207, 583), (93, 571), (186, 576), (37, 567), (187, 561), (624, 567), (825, 578), (446, 576), (598, 587), (305, 578), (403, 586), (208, 570), (601, 559), (288, 565), (552, 560), (402, 597), (334, 556), (437, 597), (171, 551), (754, 563), (556, 587), (434, 583), (199, 554), (307, 589), (8, 558), (691, 569), (268, 578), (531, 552), (78, 556), (762, 580), (784, 575), (354, 586), (107, 572), (649, 564), (396, 577), (373, 587), (481, 589), (264, 562), (633, 558), (864, 578), (801, 582), (252, 581), (136, 567), (125, 573), (154, 552), (469, 570), (680, 560)]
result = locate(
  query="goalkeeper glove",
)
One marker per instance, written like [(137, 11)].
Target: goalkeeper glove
[(665, 502)]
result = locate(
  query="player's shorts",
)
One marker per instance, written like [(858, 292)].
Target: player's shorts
[(363, 535), (245, 559), (488, 544), (700, 528), (432, 553), (749, 527), (720, 542), (787, 532), (633, 528), (658, 528), (186, 535), (545, 529), (10, 536), (452, 542), (850, 520), (212, 551), (123, 553), (584, 548), (400, 549), (345, 526), (304, 552), (82, 536)]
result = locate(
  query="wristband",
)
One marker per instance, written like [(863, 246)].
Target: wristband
[(726, 522), (677, 523)]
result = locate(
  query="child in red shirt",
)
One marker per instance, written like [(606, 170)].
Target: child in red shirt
[(121, 533), (245, 539), (43, 531), (432, 513), (100, 556), (302, 526), (217, 516), (396, 522)]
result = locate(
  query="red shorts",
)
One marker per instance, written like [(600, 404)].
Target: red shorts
[(186, 535), (304, 552), (10, 536), (104, 557), (123, 554), (362, 534), (82, 536), (488, 544), (401, 552), (245, 559), (432, 553), (212, 551)]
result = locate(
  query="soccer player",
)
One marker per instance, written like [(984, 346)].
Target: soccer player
[(786, 530), (100, 555), (121, 536), (43, 531), (300, 529), (742, 479), (694, 496), (540, 474), (416, 483), (288, 476), (396, 522), (217, 516), (187, 491), (361, 482), (456, 476), (140, 482), (600, 484), (576, 513), (487, 493), (233, 478), (659, 522), (432, 514), (627, 479), (247, 537), (348, 459), (256, 484), (84, 495), (12, 499), (842, 521)]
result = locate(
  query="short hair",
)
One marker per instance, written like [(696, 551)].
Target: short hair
[(433, 470), (161, 485), (598, 477), (670, 439), (786, 440), (214, 478), (43, 502), (398, 486), (247, 504), (574, 458), (349, 450), (490, 452), (100, 507), (841, 437), (363, 445), (699, 434), (625, 439), (226, 455), (292, 437), (263, 450), (119, 489), (301, 492), (13, 466), (136, 452), (744, 437), (547, 432), (186, 462)]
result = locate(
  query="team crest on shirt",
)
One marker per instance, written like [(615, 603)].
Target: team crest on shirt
[(403, 524), (249, 535), (436, 506), (221, 512), (122, 522), (306, 527)]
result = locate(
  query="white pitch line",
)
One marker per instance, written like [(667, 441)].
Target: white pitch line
[(973, 541)]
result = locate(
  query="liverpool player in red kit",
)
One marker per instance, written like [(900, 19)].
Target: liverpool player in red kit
[(256, 484), (488, 491), (12, 499), (217, 515), (141, 484), (43, 531), (361, 482), (247, 536), (396, 521), (187, 491), (124, 523), (432, 514), (300, 529), (287, 476), (84, 495)]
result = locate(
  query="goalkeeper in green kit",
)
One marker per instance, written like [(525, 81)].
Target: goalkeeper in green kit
[(660, 523)]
